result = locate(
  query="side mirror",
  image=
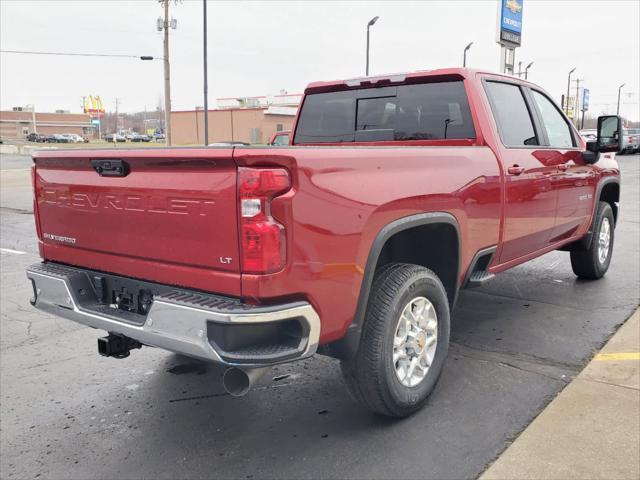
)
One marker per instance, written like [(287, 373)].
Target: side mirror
[(609, 134)]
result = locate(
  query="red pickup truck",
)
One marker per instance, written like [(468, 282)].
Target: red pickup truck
[(353, 242)]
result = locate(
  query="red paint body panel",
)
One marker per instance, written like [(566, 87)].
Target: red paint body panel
[(342, 196)]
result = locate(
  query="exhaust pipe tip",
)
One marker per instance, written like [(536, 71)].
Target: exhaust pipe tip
[(237, 382)]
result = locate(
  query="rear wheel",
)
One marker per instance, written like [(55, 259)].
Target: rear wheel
[(593, 262), (404, 341)]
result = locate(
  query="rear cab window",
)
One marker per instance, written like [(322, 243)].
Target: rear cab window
[(426, 111)]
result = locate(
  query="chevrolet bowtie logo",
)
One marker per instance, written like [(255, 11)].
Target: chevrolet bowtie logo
[(514, 6)]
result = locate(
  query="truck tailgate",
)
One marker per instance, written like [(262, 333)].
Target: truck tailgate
[(171, 218)]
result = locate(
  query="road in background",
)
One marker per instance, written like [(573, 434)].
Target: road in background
[(67, 412)]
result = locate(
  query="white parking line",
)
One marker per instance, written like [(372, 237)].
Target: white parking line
[(15, 252)]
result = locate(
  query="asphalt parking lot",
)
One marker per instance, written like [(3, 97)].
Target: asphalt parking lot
[(68, 413)]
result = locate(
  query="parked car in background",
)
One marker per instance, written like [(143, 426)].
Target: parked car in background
[(74, 138), (279, 139), (140, 138), (589, 135), (59, 138), (630, 140), (159, 137), (36, 137), (115, 137)]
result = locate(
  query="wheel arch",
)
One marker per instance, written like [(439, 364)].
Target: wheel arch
[(609, 191), (419, 226)]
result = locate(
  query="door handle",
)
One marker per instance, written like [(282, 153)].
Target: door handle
[(515, 170)]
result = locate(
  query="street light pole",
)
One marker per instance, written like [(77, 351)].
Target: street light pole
[(619, 90), (526, 71), (206, 87), (566, 101), (464, 57), (371, 22)]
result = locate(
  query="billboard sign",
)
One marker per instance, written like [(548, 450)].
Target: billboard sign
[(510, 23), (585, 99), (93, 106)]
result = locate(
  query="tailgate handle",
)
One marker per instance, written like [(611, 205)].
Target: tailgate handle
[(110, 168)]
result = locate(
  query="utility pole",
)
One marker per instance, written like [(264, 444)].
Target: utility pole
[(115, 131), (568, 87), (369, 25), (519, 69), (206, 87), (197, 127), (164, 25), (619, 90), (33, 118)]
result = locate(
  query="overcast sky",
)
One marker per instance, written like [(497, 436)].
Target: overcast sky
[(259, 48)]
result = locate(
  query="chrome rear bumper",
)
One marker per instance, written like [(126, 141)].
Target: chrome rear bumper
[(182, 321)]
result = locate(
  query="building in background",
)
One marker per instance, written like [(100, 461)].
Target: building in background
[(21, 121), (240, 119)]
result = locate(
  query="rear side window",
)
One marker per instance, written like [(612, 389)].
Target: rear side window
[(431, 111), (327, 117), (511, 114)]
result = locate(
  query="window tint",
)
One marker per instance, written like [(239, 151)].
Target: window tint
[(554, 123), (327, 117), (511, 114), (433, 111), (281, 140), (376, 113), (428, 111)]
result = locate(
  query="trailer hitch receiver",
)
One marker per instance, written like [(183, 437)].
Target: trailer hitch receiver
[(115, 345)]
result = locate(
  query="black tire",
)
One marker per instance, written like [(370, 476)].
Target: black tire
[(370, 376), (586, 263)]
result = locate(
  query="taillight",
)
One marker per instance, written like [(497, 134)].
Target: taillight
[(263, 239)]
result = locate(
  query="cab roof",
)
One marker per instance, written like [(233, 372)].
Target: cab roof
[(399, 79)]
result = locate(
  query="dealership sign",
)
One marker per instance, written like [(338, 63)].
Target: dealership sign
[(510, 23), (585, 99)]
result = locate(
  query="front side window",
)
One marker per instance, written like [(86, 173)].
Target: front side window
[(555, 125), (429, 111), (511, 114)]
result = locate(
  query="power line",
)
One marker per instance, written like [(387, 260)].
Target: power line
[(28, 52)]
